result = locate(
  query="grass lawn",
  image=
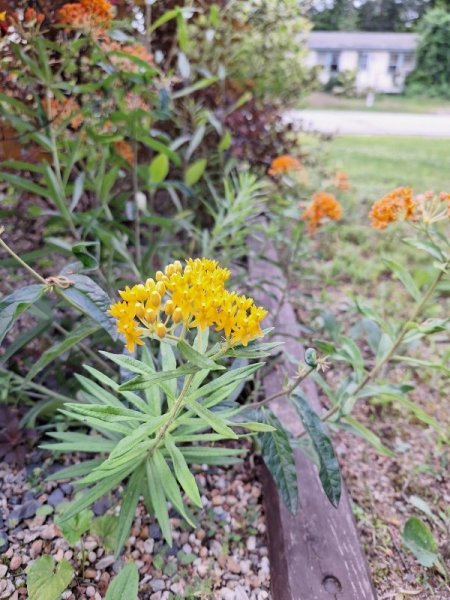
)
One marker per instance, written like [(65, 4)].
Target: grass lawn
[(376, 165), (386, 102)]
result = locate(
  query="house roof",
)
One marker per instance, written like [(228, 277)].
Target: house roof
[(362, 40)]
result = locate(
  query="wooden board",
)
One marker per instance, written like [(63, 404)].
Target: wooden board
[(315, 554)]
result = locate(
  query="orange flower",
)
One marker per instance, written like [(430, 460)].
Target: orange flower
[(121, 62), (398, 204), (31, 15), (341, 181), (323, 205), (59, 111), (86, 14), (124, 150), (284, 164)]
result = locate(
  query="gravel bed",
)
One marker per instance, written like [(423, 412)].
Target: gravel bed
[(226, 557)]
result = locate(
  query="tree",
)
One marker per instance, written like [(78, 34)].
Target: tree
[(432, 73)]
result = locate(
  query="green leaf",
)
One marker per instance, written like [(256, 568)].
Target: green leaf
[(212, 419), (195, 171), (15, 304), (158, 500), (159, 168), (72, 529), (82, 252), (73, 471), (199, 85), (105, 528), (182, 471), (329, 473), (279, 458), (81, 332), (47, 580), (125, 584), (91, 300), (196, 358), (128, 507), (404, 277), (426, 246), (419, 539)]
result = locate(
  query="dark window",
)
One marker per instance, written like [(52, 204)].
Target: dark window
[(334, 62)]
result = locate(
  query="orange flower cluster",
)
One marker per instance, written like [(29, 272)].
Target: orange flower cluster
[(124, 150), (31, 15), (341, 181), (324, 205), (122, 62), (86, 14), (284, 164), (397, 205), (59, 111)]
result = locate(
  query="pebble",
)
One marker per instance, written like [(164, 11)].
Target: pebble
[(90, 591), (56, 497), (15, 563), (104, 563), (92, 557), (148, 545), (6, 588), (251, 543), (4, 542), (233, 565), (90, 573), (25, 511), (3, 571), (157, 585), (36, 548)]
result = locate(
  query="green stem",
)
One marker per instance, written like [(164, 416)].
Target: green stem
[(35, 386), (286, 392), (172, 414), (398, 340), (20, 261), (137, 216)]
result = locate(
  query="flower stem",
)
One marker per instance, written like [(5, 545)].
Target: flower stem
[(20, 261), (417, 310), (286, 392)]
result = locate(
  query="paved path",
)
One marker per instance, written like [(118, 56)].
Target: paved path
[(372, 123)]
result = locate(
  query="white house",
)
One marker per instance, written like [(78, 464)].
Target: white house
[(381, 60)]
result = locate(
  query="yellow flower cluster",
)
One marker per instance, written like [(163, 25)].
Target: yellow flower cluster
[(192, 297)]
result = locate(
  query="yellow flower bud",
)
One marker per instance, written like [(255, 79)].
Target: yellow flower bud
[(140, 309), (161, 288), (150, 284), (155, 299), (169, 270), (169, 307), (150, 315), (178, 266), (177, 315), (159, 275), (161, 330)]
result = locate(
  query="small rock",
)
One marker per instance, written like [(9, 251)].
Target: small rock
[(240, 593), (4, 542), (233, 565), (90, 545), (149, 545), (202, 570), (3, 571), (15, 563), (92, 557), (6, 589), (26, 511), (177, 588), (90, 591), (158, 585), (36, 548), (215, 548), (156, 596), (187, 548), (217, 500), (56, 497), (246, 566), (117, 566), (155, 531), (251, 543), (67, 488), (90, 573), (66, 595), (227, 594), (59, 555), (104, 563), (49, 532), (101, 506)]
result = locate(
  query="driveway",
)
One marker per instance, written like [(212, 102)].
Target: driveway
[(371, 123)]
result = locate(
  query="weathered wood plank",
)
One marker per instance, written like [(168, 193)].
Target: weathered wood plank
[(315, 554)]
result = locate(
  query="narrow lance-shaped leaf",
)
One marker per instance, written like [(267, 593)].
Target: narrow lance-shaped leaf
[(329, 473), (158, 500), (128, 508), (196, 358), (182, 471)]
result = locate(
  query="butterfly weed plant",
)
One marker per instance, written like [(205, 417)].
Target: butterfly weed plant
[(156, 423)]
